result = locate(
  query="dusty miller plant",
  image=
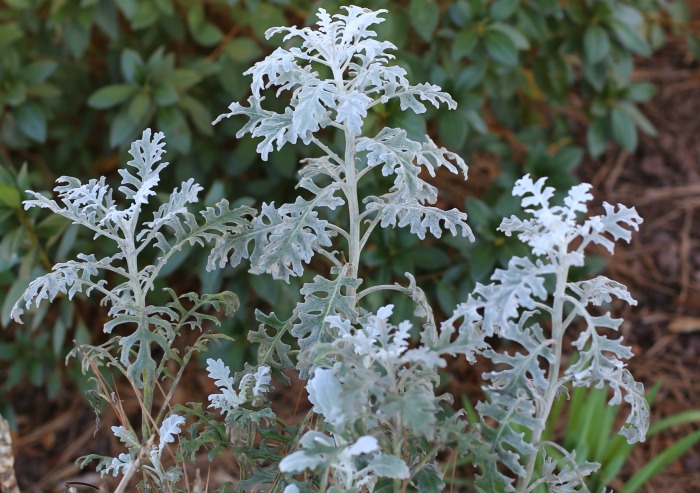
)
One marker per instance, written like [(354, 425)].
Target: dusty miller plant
[(143, 351), (377, 423)]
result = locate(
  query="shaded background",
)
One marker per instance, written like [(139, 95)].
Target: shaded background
[(538, 92)]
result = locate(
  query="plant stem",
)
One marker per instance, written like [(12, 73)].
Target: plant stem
[(350, 190), (553, 380)]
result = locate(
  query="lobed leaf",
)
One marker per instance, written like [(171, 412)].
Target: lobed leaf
[(420, 218), (69, 278), (169, 429), (282, 238), (272, 350), (323, 298), (273, 127)]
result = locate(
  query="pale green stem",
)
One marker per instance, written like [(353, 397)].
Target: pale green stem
[(131, 256), (382, 287), (350, 190), (558, 330)]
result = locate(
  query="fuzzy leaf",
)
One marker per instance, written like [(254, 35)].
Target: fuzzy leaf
[(325, 394), (90, 204), (518, 286), (409, 96), (282, 238), (318, 451), (389, 466), (611, 223), (421, 218), (126, 437), (391, 148), (168, 430), (311, 104), (219, 222), (273, 127), (146, 154), (323, 298), (572, 475), (432, 157), (352, 110), (272, 350), (600, 290), (506, 443), (118, 465), (69, 278)]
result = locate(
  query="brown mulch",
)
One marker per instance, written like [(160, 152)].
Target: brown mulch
[(661, 267)]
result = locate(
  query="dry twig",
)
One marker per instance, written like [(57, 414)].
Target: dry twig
[(8, 481)]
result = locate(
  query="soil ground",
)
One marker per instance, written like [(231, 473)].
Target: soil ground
[(661, 267)]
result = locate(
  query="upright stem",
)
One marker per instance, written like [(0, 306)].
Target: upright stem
[(353, 206), (128, 246), (553, 382), (350, 189)]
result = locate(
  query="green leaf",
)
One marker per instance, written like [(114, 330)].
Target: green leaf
[(483, 262), (204, 32), (472, 75), (693, 43), (639, 92), (502, 9), (172, 122), (533, 24), (198, 113), (37, 72), (31, 121), (567, 158), (596, 137), (242, 50), (481, 216), (8, 33), (146, 15), (12, 296), (641, 121), (184, 78), (51, 226), (460, 12), (43, 90), (500, 47), (266, 16), (16, 93), (452, 129), (464, 43), (165, 6), (122, 129), (107, 19), (131, 65), (630, 37), (77, 38), (596, 43), (425, 16), (9, 196), (128, 7), (596, 74), (139, 106), (427, 258), (520, 41), (165, 94), (476, 122), (623, 128), (112, 95), (661, 461)]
